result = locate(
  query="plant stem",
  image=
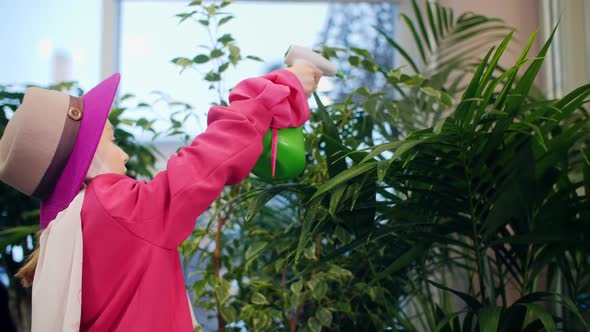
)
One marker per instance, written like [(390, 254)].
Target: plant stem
[(284, 277), (216, 259), (293, 321), (217, 254), (501, 284), (474, 225)]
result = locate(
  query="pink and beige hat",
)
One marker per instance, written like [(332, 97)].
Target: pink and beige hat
[(49, 143)]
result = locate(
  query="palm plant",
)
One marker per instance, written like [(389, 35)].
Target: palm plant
[(497, 190)]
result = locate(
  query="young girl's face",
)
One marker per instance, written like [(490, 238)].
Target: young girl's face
[(112, 157)]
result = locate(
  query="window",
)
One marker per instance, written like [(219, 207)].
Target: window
[(50, 42), (150, 36)]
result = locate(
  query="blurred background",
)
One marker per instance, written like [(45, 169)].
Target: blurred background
[(85, 41)]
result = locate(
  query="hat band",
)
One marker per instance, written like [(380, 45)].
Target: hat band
[(64, 149)]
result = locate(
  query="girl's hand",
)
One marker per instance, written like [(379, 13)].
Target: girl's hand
[(309, 75)]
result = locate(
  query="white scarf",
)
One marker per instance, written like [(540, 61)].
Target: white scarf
[(57, 286)]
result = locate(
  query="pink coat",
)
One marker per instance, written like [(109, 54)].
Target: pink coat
[(132, 278)]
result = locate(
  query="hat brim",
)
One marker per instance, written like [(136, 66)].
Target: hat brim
[(97, 105)]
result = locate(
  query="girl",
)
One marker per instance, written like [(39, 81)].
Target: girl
[(107, 257)]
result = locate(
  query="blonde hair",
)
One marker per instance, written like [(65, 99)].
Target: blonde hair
[(27, 272)]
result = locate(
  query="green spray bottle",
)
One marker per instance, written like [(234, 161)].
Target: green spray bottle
[(283, 156)]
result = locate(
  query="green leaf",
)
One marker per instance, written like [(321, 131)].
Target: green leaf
[(574, 309), (421, 25), (212, 77), (201, 58), (314, 325), (229, 313), (469, 98), (255, 58), (443, 325), (401, 51), (223, 67), (259, 299), (378, 149), (338, 273), (525, 83), (297, 287), (196, 3), (255, 250), (436, 34), (318, 288), (537, 132), (412, 80), (335, 198), (314, 215), (226, 38), (382, 168), (234, 54), (324, 316), (446, 99), (404, 260), (439, 17), (185, 16), (331, 137), (351, 173), (16, 234), (183, 62), (370, 66), (537, 311), (211, 10), (342, 235), (216, 53), (267, 194), (224, 20), (430, 91), (309, 252), (489, 318), (438, 126), (260, 321), (199, 287), (485, 79), (354, 60), (417, 40), (468, 299), (223, 291), (362, 52), (115, 114), (406, 146)]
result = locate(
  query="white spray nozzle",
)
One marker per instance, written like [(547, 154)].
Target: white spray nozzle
[(297, 54)]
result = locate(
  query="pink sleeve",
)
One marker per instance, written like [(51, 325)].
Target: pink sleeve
[(164, 210)]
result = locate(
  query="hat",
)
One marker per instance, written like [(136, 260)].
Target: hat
[(49, 143)]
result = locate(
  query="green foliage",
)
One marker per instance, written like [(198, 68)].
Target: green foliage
[(426, 205), (486, 192), (221, 51)]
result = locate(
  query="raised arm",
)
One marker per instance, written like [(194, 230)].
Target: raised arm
[(164, 210)]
